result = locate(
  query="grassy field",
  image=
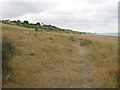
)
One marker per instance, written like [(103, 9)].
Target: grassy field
[(104, 60), (53, 60)]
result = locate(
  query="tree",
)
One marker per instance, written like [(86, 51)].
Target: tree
[(38, 24), (18, 22), (13, 21), (26, 22)]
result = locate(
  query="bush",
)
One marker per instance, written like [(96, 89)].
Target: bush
[(84, 42), (50, 38), (36, 29), (118, 80), (8, 50)]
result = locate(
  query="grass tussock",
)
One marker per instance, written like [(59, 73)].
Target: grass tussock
[(72, 38), (84, 42)]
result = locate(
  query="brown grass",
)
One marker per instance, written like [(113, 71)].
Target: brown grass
[(51, 59), (42, 61), (104, 60)]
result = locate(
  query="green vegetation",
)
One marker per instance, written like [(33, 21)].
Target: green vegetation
[(118, 81), (39, 27), (8, 50), (84, 42)]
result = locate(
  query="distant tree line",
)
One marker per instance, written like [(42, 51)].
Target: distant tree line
[(23, 24), (39, 26)]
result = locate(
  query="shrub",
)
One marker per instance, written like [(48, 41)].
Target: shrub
[(36, 29), (118, 81), (50, 38), (8, 50), (84, 42)]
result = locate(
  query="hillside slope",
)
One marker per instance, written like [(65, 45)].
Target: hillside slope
[(52, 60)]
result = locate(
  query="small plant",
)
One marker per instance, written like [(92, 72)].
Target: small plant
[(36, 29), (50, 38), (84, 42)]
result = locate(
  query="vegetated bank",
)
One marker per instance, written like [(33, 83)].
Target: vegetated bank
[(39, 26)]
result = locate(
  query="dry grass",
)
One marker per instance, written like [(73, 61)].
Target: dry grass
[(51, 59), (42, 61), (103, 60)]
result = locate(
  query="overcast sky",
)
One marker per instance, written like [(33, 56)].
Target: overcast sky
[(79, 15)]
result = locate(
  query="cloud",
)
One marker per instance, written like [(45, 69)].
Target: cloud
[(15, 9), (80, 15)]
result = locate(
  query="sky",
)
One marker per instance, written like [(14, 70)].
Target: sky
[(79, 15)]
